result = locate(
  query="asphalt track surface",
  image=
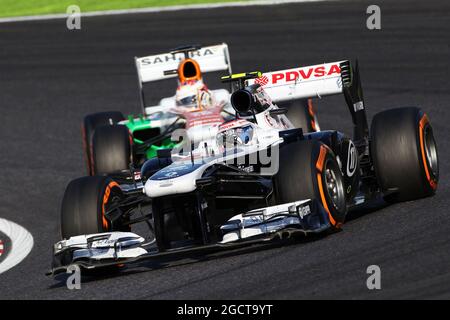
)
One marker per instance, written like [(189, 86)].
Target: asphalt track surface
[(50, 77)]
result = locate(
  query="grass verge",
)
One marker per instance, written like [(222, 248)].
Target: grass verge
[(14, 8)]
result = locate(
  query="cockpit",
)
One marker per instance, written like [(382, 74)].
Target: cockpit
[(235, 136)]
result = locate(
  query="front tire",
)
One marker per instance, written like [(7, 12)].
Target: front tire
[(404, 154), (84, 205), (309, 170)]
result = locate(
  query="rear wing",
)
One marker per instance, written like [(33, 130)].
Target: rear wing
[(154, 68), (303, 82), (341, 77)]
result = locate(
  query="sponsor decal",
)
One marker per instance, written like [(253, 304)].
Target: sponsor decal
[(174, 171), (307, 73), (248, 169), (358, 106), (304, 211), (233, 124), (262, 97), (351, 159), (166, 184), (339, 82), (171, 174), (262, 81), (103, 243), (165, 58)]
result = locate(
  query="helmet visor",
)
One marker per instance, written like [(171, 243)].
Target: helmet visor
[(187, 101), (235, 137)]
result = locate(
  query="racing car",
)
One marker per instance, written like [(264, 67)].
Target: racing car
[(260, 179), (112, 143)]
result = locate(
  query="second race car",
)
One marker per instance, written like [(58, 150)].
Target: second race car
[(113, 143)]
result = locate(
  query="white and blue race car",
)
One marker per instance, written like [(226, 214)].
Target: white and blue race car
[(259, 179)]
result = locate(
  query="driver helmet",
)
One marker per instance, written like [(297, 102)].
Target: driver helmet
[(193, 96), (240, 135)]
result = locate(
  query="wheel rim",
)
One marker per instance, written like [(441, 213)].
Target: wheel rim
[(431, 151), (334, 186)]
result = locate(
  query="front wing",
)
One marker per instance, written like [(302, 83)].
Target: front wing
[(255, 227)]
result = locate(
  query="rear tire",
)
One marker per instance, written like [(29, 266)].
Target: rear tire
[(84, 204), (90, 123), (301, 114), (404, 154), (309, 170), (111, 149)]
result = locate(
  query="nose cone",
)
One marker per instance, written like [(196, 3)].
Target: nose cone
[(174, 179)]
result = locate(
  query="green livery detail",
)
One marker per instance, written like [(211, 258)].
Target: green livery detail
[(141, 130)]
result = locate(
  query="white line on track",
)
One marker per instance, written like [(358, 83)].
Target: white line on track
[(159, 9), (21, 244)]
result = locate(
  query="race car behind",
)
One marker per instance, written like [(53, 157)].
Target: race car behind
[(113, 143)]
